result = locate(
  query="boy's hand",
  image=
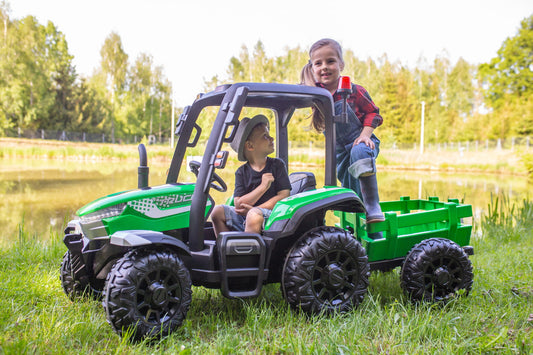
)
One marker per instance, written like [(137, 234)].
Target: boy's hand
[(267, 180), (244, 203), (243, 209)]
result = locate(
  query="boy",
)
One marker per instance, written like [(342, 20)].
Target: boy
[(259, 183)]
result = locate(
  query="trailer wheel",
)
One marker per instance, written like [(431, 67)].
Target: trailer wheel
[(147, 294), (74, 287), (326, 271), (436, 270)]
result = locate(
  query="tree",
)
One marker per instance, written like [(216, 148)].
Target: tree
[(140, 112), (509, 81), (460, 96), (37, 78), (63, 76), (162, 100), (28, 97), (239, 68), (114, 63), (90, 110), (510, 72), (148, 98), (5, 59)]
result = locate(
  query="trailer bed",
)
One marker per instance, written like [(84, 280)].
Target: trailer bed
[(407, 223)]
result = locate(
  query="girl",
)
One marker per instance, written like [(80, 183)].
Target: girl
[(356, 145)]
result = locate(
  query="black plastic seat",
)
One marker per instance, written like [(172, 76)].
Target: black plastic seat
[(302, 181)]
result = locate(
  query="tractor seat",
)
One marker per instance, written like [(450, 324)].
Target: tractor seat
[(302, 181)]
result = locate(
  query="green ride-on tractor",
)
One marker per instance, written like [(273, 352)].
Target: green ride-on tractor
[(142, 250)]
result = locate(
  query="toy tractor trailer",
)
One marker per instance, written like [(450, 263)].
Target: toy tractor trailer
[(142, 250)]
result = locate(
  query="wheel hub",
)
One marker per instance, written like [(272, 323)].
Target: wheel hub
[(442, 276), (158, 295), (334, 275)]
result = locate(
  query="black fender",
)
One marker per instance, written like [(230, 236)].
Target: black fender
[(137, 238)]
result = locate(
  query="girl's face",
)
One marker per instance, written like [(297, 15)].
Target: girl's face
[(327, 67)]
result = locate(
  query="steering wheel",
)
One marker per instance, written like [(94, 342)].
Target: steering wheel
[(216, 181)]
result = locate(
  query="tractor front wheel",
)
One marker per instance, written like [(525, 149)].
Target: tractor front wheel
[(77, 287), (147, 294)]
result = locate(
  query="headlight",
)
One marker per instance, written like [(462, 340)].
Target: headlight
[(103, 213), (73, 227)]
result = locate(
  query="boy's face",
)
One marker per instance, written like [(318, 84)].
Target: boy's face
[(260, 140)]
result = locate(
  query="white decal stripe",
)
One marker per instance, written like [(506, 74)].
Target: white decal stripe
[(157, 213), (149, 209)]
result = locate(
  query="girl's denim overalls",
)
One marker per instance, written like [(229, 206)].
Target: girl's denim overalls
[(353, 161)]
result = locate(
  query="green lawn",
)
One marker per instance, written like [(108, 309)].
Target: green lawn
[(497, 316)]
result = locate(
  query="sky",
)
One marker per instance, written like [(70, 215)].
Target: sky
[(195, 40)]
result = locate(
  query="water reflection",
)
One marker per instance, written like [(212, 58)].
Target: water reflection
[(46, 194)]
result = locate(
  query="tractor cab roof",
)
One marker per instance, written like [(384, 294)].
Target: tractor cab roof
[(273, 96), (282, 99)]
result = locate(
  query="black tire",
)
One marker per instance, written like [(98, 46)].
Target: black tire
[(326, 271), (76, 288), (436, 270), (147, 294)]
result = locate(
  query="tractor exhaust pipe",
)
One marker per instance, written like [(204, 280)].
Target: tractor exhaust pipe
[(143, 170)]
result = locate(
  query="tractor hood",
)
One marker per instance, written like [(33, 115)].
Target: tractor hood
[(162, 197)]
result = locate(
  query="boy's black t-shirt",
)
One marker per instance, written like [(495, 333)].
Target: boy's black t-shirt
[(247, 179)]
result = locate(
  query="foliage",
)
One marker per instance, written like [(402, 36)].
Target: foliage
[(448, 91), (509, 81), (40, 89), (510, 72)]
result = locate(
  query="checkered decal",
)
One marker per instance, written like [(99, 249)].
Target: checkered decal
[(162, 206)]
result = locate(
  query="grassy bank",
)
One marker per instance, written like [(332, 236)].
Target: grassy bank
[(501, 161), (496, 317)]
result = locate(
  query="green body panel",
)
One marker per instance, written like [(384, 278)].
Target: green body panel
[(286, 208), (408, 222), (132, 222), (139, 194), (160, 208)]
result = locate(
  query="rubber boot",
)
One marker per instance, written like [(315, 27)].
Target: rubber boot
[(369, 190)]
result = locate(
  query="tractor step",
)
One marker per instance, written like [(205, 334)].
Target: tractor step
[(242, 264)]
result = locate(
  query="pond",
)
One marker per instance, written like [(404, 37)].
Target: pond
[(42, 195)]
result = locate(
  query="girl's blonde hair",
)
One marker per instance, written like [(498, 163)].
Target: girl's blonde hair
[(307, 77)]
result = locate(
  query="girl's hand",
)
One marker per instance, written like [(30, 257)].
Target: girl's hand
[(364, 137)]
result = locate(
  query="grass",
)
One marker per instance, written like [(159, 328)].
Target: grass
[(496, 317)]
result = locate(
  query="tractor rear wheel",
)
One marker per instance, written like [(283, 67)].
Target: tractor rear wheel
[(326, 271), (436, 269)]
